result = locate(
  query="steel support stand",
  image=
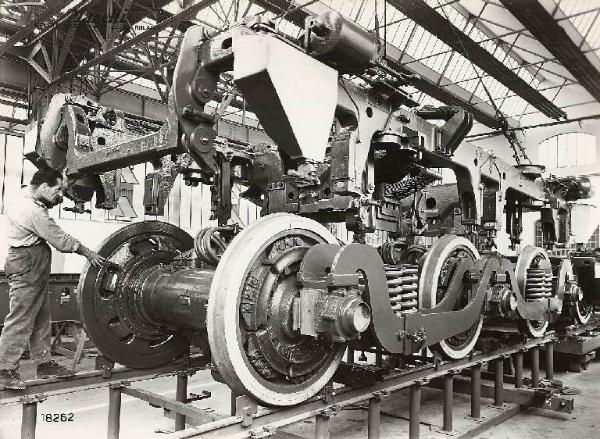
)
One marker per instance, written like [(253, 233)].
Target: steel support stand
[(448, 401), (414, 415), (374, 421), (535, 366), (322, 422), (28, 421), (379, 359), (350, 356), (233, 403), (499, 383), (550, 360), (518, 359), (476, 391), (114, 411), (181, 396)]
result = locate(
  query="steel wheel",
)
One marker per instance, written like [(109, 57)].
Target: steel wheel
[(104, 296), (249, 316), (438, 268), (581, 310)]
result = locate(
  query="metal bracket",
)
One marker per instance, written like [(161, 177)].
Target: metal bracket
[(264, 431), (32, 399), (119, 384), (246, 408), (198, 396)]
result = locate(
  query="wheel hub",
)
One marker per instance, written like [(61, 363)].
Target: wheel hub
[(252, 314), (275, 349), (113, 318)]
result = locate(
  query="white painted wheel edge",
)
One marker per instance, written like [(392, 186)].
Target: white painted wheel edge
[(450, 246), (223, 303)]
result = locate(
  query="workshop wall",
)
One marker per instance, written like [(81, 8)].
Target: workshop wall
[(187, 207)]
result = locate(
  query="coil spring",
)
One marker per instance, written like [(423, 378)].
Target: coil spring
[(209, 245), (403, 286), (539, 284)]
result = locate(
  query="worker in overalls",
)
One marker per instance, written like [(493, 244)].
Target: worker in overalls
[(29, 231)]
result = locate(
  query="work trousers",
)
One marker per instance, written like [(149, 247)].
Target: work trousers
[(28, 321)]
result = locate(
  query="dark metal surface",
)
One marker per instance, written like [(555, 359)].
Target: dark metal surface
[(251, 310), (63, 297), (429, 81), (115, 327)]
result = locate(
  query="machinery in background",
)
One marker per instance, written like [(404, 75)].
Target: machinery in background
[(63, 300), (275, 305)]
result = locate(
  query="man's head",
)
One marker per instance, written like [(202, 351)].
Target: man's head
[(46, 186)]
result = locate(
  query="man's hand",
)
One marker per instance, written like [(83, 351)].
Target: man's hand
[(95, 259)]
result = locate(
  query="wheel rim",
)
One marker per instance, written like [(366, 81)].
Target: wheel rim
[(581, 310), (104, 296), (437, 270), (248, 317)]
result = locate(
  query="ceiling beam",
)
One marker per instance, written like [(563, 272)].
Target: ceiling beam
[(28, 30), (433, 22), (110, 54), (429, 81), (507, 47), (562, 40)]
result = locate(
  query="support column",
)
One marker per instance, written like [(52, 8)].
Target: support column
[(350, 356), (476, 391), (499, 383), (414, 415), (181, 396), (379, 359), (114, 410), (550, 360), (322, 422), (232, 403), (518, 358), (448, 401), (374, 421), (535, 366), (29, 417)]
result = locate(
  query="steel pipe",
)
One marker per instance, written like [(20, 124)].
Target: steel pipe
[(535, 366), (518, 359), (181, 396), (476, 391), (414, 422), (550, 360), (499, 383), (374, 420), (28, 421), (322, 422), (448, 401), (114, 412)]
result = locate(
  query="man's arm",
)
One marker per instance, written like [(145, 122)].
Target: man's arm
[(46, 228)]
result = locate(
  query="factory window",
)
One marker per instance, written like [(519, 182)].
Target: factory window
[(570, 149), (594, 241)]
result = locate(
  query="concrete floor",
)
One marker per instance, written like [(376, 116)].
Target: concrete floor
[(140, 420)]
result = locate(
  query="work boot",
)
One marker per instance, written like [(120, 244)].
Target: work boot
[(53, 369), (10, 379)]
